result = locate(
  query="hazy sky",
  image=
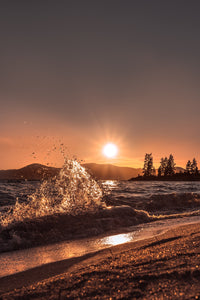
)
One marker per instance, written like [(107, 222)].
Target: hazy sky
[(86, 72)]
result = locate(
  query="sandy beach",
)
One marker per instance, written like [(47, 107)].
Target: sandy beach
[(164, 267)]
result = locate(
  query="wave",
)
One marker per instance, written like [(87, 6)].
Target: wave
[(57, 227), (6, 199), (173, 200), (158, 202), (73, 191)]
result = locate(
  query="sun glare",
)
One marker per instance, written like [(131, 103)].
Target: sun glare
[(110, 150)]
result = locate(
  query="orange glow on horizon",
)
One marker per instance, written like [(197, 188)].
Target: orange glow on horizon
[(19, 147)]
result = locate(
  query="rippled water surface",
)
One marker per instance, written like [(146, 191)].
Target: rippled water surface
[(157, 197), (74, 206), (148, 188), (69, 213), (115, 190)]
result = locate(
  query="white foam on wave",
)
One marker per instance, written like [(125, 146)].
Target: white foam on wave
[(73, 191)]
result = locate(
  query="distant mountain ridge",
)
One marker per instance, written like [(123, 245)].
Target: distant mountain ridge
[(99, 171), (111, 172), (30, 172), (179, 169)]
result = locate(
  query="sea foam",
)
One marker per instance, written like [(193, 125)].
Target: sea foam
[(73, 192)]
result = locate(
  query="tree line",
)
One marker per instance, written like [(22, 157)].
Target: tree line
[(167, 167)]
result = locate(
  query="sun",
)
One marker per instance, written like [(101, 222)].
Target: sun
[(110, 150)]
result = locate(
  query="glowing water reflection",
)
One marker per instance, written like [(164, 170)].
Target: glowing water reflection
[(118, 239), (110, 183), (21, 260)]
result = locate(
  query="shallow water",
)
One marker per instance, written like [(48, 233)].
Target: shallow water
[(21, 260), (45, 217)]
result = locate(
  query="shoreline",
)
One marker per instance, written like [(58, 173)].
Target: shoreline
[(169, 259), (165, 179)]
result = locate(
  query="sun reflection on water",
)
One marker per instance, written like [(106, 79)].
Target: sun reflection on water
[(117, 239), (109, 186), (110, 183)]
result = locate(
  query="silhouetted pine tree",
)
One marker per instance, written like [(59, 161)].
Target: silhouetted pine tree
[(165, 165), (162, 166), (194, 168), (148, 168), (189, 167), (171, 166)]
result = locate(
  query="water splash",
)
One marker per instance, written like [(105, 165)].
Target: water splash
[(73, 191)]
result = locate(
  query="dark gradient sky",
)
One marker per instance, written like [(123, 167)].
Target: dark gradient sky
[(88, 72)]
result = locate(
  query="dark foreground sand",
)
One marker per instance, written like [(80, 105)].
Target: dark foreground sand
[(165, 267)]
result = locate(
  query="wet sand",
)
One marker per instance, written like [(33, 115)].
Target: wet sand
[(163, 267)]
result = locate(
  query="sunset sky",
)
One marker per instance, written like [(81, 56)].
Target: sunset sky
[(84, 73)]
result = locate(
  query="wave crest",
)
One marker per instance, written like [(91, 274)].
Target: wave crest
[(159, 202), (58, 227), (73, 191)]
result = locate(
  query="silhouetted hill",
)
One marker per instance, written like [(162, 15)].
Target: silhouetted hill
[(99, 171), (30, 172), (179, 170), (111, 172)]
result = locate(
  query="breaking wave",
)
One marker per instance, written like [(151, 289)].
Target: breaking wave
[(158, 202), (181, 201), (72, 192), (58, 227)]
